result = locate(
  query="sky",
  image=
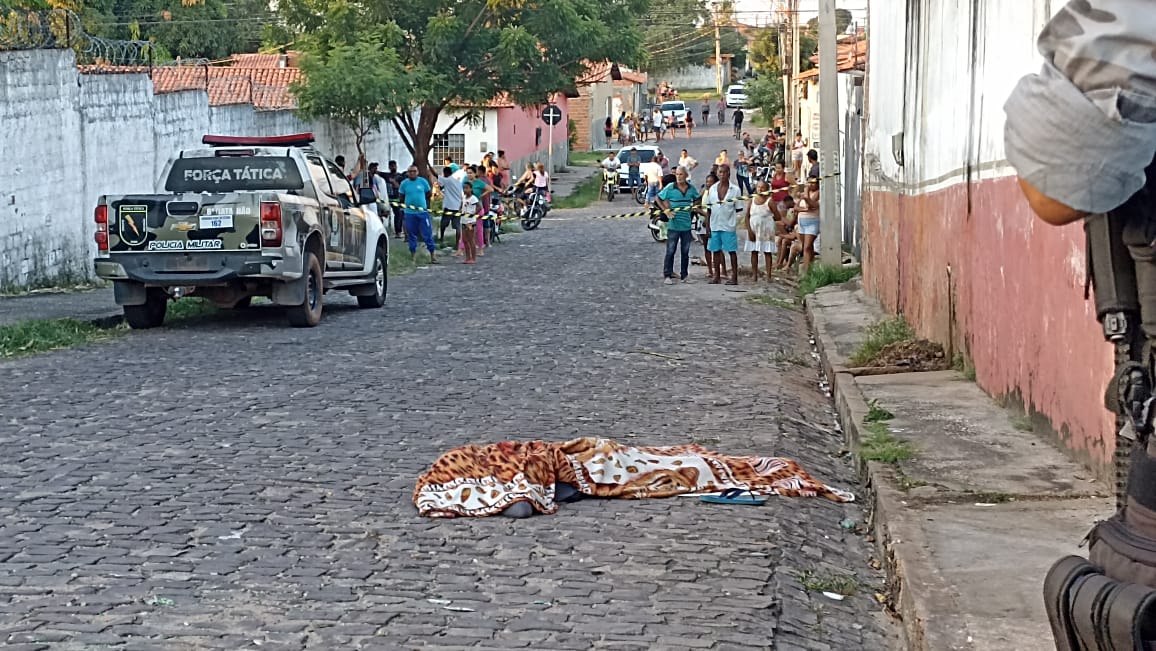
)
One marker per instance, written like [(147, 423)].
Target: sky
[(758, 12)]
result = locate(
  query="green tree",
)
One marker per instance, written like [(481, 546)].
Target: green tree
[(460, 54), (765, 54), (355, 85), (765, 93)]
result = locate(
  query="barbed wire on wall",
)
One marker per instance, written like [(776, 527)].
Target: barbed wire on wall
[(63, 29)]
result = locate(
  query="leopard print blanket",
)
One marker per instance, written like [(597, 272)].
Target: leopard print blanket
[(485, 480)]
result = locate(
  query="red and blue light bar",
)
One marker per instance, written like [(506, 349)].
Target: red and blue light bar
[(292, 140)]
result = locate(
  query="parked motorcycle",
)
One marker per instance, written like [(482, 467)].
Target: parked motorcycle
[(657, 225)]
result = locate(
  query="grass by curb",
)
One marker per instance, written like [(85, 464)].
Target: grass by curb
[(879, 335), (821, 275), (43, 335), (584, 194), (586, 158), (775, 301), (964, 365), (834, 582), (883, 446), (876, 414)]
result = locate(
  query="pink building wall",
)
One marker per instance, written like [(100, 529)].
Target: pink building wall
[(1013, 301), (516, 128)]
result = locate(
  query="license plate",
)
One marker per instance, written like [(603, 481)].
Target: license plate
[(216, 221)]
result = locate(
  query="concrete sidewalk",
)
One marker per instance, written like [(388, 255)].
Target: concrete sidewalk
[(95, 305), (970, 524), (564, 183)]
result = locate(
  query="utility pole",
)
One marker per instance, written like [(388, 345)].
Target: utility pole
[(786, 75), (830, 217), (718, 75), (794, 120)]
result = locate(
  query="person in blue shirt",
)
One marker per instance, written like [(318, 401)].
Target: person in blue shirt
[(415, 192), (677, 201)]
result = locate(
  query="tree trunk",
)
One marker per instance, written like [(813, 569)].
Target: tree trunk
[(422, 139)]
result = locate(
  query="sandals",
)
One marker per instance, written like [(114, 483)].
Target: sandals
[(740, 496)]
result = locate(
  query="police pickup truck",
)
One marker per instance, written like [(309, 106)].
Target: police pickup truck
[(243, 217)]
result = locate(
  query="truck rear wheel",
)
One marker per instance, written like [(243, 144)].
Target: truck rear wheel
[(308, 314), (151, 314)]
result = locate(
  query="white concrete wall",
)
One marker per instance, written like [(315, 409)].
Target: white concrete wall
[(68, 138), (948, 100), (480, 138), (693, 77), (41, 179)]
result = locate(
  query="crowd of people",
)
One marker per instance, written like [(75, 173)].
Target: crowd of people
[(776, 218), (470, 200), (779, 219), (632, 128)]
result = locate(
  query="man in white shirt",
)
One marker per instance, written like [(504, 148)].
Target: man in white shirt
[(722, 222), (380, 191), (652, 175), (451, 191), (657, 121)]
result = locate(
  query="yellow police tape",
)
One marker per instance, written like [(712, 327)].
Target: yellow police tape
[(624, 215), (646, 213)]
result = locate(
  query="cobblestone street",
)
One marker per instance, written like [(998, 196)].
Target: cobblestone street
[(232, 483)]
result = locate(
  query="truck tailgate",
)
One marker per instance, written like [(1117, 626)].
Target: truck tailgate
[(200, 222)]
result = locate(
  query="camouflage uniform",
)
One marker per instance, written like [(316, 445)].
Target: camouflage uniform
[(1083, 133), (1083, 130)]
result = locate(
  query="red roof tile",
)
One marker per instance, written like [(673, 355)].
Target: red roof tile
[(601, 71), (265, 88), (256, 60)]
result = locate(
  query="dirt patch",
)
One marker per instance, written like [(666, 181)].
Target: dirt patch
[(914, 354)]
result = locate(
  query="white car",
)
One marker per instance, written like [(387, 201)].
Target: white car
[(736, 96), (675, 108), (645, 152)]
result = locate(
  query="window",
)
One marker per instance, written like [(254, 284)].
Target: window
[(449, 144)]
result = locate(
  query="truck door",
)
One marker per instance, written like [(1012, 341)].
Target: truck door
[(332, 214), (355, 234), (350, 214)]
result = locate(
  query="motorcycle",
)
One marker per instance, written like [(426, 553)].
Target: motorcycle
[(536, 208), (609, 184), (657, 225)]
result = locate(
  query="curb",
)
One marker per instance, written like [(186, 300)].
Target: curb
[(901, 556)]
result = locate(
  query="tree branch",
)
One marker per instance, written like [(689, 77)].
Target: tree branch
[(406, 137), (456, 122)]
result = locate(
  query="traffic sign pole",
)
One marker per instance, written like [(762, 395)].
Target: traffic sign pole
[(551, 115)]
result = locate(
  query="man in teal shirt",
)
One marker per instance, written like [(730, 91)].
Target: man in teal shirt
[(415, 192), (677, 201)]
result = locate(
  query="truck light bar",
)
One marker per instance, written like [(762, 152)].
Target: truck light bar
[(293, 140)]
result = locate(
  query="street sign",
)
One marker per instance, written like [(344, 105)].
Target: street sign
[(551, 115)]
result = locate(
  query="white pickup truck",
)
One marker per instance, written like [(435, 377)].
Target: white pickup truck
[(242, 217)]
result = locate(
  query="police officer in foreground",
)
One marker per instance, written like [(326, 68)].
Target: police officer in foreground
[(1098, 88)]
